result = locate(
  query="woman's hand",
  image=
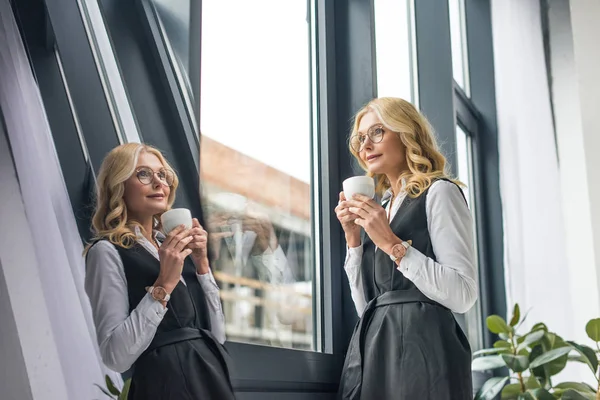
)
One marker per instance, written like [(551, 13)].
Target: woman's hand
[(172, 254), (346, 218), (265, 233), (372, 217), (198, 245)]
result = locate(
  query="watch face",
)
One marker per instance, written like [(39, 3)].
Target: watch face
[(398, 251), (159, 293)]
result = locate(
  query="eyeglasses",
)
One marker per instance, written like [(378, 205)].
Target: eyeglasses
[(375, 134), (146, 175)]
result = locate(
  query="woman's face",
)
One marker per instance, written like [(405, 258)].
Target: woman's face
[(144, 200), (388, 156)]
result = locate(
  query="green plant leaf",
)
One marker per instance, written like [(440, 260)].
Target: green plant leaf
[(501, 344), (484, 352), (549, 342), (531, 338), (516, 315), (532, 383), (578, 386), (111, 386), (125, 391), (491, 388), (523, 319), (487, 363), (523, 352), (550, 356), (516, 363), (511, 391), (593, 329), (539, 372), (540, 325), (578, 358), (575, 395), (106, 392), (525, 396), (504, 336), (541, 394), (588, 355), (497, 324)]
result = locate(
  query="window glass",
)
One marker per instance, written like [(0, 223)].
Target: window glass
[(394, 49), (459, 44), (472, 319), (255, 163)]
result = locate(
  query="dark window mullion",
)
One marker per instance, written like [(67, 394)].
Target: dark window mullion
[(436, 82)]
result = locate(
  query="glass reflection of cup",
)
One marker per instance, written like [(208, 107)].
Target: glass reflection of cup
[(364, 185), (232, 207)]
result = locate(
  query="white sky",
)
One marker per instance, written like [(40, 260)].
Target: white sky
[(255, 80), (392, 41)]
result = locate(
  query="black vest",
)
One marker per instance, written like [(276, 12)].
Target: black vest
[(187, 306), (409, 223)]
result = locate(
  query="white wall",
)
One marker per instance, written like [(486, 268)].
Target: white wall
[(535, 257), (550, 189), (574, 86)]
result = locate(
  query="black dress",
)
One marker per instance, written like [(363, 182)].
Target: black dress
[(405, 346), (184, 360)]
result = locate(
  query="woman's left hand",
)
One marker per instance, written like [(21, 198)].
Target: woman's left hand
[(199, 247), (372, 217)]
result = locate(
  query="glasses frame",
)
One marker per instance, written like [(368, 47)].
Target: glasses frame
[(371, 134), (154, 176)]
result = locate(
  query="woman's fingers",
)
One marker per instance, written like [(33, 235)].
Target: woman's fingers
[(366, 205), (182, 243), (176, 240), (198, 242), (171, 236), (360, 212)]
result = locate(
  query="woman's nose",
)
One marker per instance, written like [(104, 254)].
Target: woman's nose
[(156, 181)]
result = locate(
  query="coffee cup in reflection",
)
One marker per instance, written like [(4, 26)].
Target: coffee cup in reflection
[(175, 217), (364, 185)]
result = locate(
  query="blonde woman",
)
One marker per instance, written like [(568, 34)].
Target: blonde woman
[(412, 266), (154, 300)]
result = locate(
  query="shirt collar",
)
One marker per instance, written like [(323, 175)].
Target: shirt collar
[(388, 193), (158, 235)]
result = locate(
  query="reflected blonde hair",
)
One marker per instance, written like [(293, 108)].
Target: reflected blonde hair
[(110, 219), (424, 160)]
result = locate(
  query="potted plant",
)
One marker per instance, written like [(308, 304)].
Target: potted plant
[(111, 390), (532, 359)]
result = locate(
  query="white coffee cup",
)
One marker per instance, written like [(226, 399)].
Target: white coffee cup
[(175, 217), (364, 185)]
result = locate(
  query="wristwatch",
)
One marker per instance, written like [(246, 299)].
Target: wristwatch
[(158, 293), (399, 250)]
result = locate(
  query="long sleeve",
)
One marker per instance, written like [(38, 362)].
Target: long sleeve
[(452, 279), (122, 337), (352, 268), (273, 267), (217, 319)]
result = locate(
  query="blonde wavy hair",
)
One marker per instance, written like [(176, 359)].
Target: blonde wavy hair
[(110, 219), (424, 160)]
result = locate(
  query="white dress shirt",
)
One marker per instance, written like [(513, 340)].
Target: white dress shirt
[(123, 336), (452, 279)]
